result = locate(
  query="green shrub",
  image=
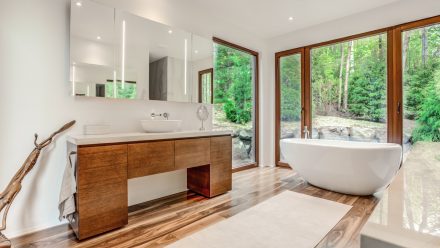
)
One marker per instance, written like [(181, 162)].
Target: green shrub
[(230, 110), (428, 121)]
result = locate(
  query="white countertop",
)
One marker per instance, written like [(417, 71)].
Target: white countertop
[(408, 215), (81, 139)]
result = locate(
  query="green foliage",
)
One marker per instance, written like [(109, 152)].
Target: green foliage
[(421, 82), (290, 71), (428, 121), (233, 72), (126, 92), (367, 91), (416, 85), (325, 74)]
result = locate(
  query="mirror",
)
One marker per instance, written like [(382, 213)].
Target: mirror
[(91, 48), (202, 70), (115, 54)]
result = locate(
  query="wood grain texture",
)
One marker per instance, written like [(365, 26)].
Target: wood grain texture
[(192, 152), (102, 200), (150, 158), (214, 179), (166, 220), (278, 57), (221, 165)]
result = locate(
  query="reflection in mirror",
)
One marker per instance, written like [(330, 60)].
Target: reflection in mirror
[(91, 48), (115, 54), (202, 69)]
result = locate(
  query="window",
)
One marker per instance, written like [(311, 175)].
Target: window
[(206, 86), (235, 91), (349, 90), (421, 86), (290, 97)]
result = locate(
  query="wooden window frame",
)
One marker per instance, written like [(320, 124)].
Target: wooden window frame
[(278, 56), (256, 99), (394, 79), (201, 73)]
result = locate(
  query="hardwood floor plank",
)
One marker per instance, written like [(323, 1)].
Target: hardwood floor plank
[(163, 221)]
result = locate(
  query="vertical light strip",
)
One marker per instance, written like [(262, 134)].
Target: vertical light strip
[(186, 65), (123, 55), (88, 90), (73, 80), (114, 84)]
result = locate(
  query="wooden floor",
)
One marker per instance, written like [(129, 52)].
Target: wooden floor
[(163, 221)]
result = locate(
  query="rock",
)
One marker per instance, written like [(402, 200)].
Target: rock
[(239, 150), (245, 135), (287, 135), (407, 138), (235, 134)]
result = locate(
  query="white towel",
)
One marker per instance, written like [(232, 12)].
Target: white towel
[(66, 203)]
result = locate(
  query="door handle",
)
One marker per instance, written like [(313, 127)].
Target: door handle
[(399, 108)]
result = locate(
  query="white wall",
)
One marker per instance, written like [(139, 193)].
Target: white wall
[(386, 16), (191, 18), (35, 97)]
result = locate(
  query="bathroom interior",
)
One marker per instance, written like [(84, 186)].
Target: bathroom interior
[(201, 123)]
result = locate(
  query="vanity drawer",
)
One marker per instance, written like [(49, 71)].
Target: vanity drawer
[(192, 152), (150, 158)]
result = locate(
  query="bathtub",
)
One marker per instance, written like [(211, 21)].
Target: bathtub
[(349, 167)]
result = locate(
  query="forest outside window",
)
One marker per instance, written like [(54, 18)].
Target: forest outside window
[(349, 90), (421, 88), (235, 101), (290, 103)]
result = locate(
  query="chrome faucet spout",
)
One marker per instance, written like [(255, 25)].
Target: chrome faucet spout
[(165, 115), (306, 133)]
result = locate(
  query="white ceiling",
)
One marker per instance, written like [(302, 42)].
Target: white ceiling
[(269, 18), (262, 18)]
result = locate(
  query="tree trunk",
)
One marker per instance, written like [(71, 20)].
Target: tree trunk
[(341, 68), (347, 74), (424, 46), (381, 52), (406, 40)]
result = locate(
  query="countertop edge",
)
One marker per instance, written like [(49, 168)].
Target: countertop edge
[(80, 139)]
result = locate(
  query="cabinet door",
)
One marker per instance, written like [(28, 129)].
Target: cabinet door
[(221, 165), (150, 158), (102, 189), (192, 152)]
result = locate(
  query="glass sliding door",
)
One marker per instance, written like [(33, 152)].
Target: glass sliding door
[(290, 105), (234, 100), (349, 90), (421, 89)]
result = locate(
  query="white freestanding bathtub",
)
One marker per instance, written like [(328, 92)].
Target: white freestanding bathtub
[(349, 167)]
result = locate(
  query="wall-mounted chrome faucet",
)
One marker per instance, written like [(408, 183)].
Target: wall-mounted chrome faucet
[(165, 115), (306, 133)]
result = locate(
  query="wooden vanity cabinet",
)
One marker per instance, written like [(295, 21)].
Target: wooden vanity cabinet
[(102, 172), (192, 152), (148, 158), (101, 198)]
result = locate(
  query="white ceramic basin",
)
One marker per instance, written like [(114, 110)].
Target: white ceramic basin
[(161, 126)]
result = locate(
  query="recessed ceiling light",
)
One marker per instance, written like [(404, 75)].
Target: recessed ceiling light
[(79, 4), (290, 18), (98, 37), (170, 31)]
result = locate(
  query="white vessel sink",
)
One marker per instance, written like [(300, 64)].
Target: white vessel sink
[(161, 126)]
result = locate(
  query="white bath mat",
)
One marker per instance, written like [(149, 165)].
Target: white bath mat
[(287, 220)]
